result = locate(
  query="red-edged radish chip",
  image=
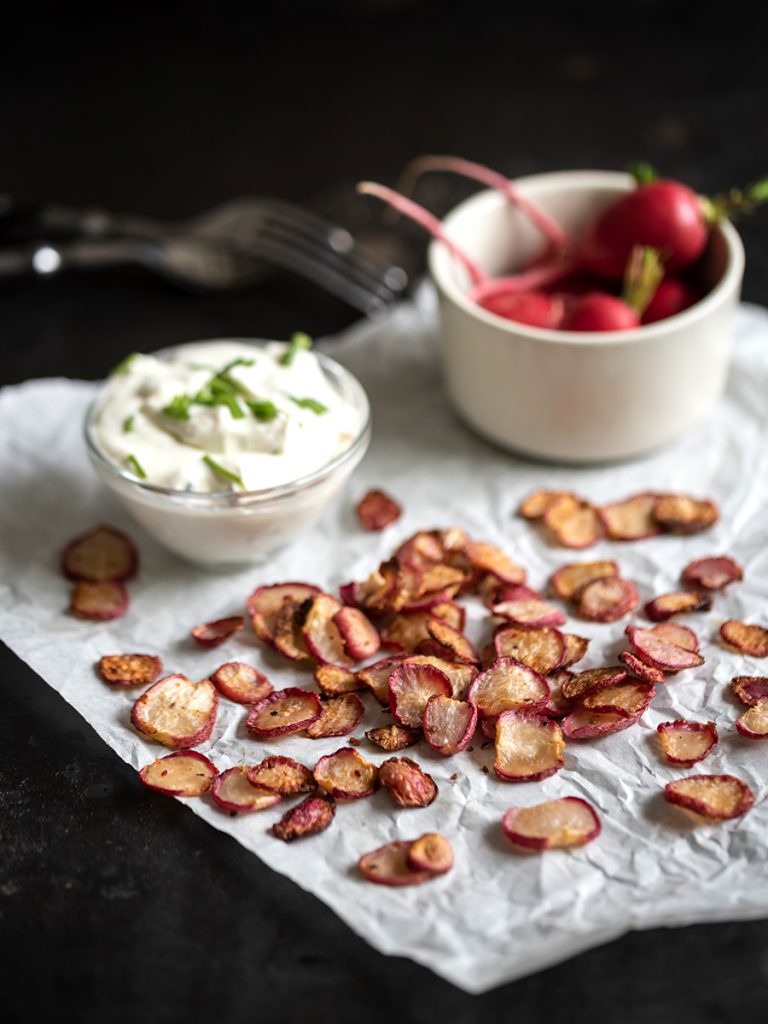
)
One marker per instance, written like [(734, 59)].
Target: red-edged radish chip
[(346, 774), (407, 783), (282, 712), (575, 649), (628, 699), (241, 683), (488, 727), (715, 797), (750, 689), (569, 580), (333, 681), (211, 634), (582, 724), (680, 636), (712, 573), (265, 603), (631, 519), (557, 706), (460, 675), (410, 687), (99, 601), (641, 669), (358, 634), (528, 747), (679, 513), (341, 715), (575, 523), (679, 601), (183, 773), (100, 556), (431, 852), (389, 865), (685, 743), (592, 680), (376, 677), (130, 669), (568, 821), (508, 685), (608, 599), (651, 647), (536, 503), (529, 612), (745, 638), (393, 737), (288, 637), (510, 592), (406, 631), (321, 634), (376, 510), (282, 775), (450, 612), (452, 640), (314, 814), (542, 648), (449, 724), (232, 791), (753, 724), (177, 712), (487, 558)]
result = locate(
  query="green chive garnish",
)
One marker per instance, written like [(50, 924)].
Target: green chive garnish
[(137, 467), (310, 403), (221, 471), (125, 365), (178, 407), (299, 342), (128, 423), (234, 363), (263, 409)]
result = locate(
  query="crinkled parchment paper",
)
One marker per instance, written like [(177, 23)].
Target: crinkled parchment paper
[(499, 915)]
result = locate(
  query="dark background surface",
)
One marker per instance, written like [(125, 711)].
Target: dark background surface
[(115, 903)]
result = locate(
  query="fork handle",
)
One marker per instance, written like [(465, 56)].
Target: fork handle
[(48, 258)]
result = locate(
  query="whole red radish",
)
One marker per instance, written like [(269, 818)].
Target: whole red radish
[(598, 311), (672, 296), (536, 309)]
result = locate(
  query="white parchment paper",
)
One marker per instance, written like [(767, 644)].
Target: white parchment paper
[(499, 915)]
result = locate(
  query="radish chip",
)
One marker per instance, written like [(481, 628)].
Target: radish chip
[(631, 519), (288, 638), (557, 706), (591, 681), (233, 792), (346, 774), (241, 683), (100, 556), (282, 775), (130, 669), (569, 580), (712, 573), (314, 814), (582, 724), (389, 865), (333, 681), (508, 685), (214, 633), (628, 699), (406, 631), (452, 640), (376, 677), (487, 558), (746, 638), (680, 636), (393, 737), (183, 773), (685, 743), (569, 821), (321, 634), (449, 724), (406, 783), (265, 603), (358, 634), (528, 747), (410, 687), (715, 797), (543, 649), (535, 505), (653, 649), (642, 670), (664, 607), (431, 852), (282, 712), (459, 674), (575, 523), (99, 601), (753, 724), (529, 612), (607, 600), (376, 510), (678, 513), (575, 649), (750, 689), (177, 712), (340, 716)]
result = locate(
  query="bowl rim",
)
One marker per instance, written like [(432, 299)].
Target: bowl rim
[(339, 374), (441, 265)]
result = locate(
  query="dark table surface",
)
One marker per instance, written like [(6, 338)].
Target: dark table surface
[(115, 903)]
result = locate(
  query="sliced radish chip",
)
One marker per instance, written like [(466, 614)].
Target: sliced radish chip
[(575, 523), (652, 648), (536, 503), (450, 612), (376, 677), (529, 612), (321, 634), (569, 580), (753, 724), (410, 687), (452, 640), (746, 638), (287, 637), (631, 519), (406, 631), (314, 814), (431, 852), (680, 636), (542, 649), (130, 669), (514, 592), (487, 558), (592, 680), (715, 797), (381, 593), (607, 600), (678, 513), (214, 633), (341, 715), (488, 727), (233, 792), (406, 783), (241, 683), (557, 706), (628, 699), (177, 712), (449, 724), (641, 669), (459, 675), (712, 573), (183, 773), (528, 747), (100, 601), (393, 737), (346, 774), (376, 510), (750, 689), (421, 550), (282, 712), (333, 681), (265, 603), (389, 865), (685, 743), (436, 583), (100, 556), (666, 605), (588, 725), (575, 649), (569, 821), (508, 685), (359, 636), (282, 775)]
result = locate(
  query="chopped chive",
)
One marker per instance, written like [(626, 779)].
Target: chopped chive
[(263, 409), (234, 363), (137, 467), (227, 474), (310, 403), (124, 365), (128, 424), (178, 407), (299, 342)]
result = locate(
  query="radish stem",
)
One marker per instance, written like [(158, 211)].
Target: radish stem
[(644, 273), (529, 280)]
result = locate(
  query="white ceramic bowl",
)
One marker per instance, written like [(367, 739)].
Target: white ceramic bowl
[(232, 529), (566, 395)]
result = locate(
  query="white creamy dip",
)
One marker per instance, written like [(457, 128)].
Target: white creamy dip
[(181, 422)]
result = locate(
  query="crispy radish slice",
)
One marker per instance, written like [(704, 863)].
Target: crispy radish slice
[(652, 648), (588, 725), (314, 814), (459, 675), (715, 797), (712, 573), (241, 683), (508, 685), (265, 603), (750, 689), (358, 634), (685, 743), (341, 715), (528, 747), (753, 724), (421, 550), (100, 601), (627, 699), (393, 737), (746, 638), (592, 681), (282, 775), (642, 670), (569, 821), (376, 677), (321, 634), (376, 510), (488, 727), (631, 519), (666, 605), (389, 865), (678, 513), (130, 669), (575, 523), (536, 503), (183, 773), (214, 633), (287, 637), (346, 774), (410, 687), (431, 852), (283, 712), (575, 649), (529, 613), (680, 636), (333, 681), (406, 631), (177, 712), (557, 706), (487, 558), (452, 640), (233, 792), (449, 724), (406, 783), (516, 592), (607, 600), (570, 579), (543, 649), (99, 556), (451, 613)]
